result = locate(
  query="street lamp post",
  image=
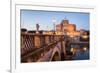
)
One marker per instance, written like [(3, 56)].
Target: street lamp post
[(54, 21), (63, 41)]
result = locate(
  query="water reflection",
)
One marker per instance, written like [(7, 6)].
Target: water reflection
[(79, 52)]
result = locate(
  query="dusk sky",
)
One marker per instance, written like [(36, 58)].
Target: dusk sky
[(29, 19)]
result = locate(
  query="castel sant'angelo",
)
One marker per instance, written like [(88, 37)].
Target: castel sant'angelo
[(68, 28)]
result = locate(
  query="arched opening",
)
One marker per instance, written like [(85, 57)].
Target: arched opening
[(56, 57)]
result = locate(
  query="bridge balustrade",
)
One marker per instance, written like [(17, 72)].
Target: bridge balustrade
[(37, 43)]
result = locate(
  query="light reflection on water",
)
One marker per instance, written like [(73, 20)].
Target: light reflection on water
[(81, 55), (80, 52)]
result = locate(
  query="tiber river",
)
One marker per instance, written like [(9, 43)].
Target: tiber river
[(80, 52)]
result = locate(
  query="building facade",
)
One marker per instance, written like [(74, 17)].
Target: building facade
[(67, 28)]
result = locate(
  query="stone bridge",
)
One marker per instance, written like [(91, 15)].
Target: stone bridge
[(42, 47)]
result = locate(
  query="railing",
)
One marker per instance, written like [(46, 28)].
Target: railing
[(33, 46)]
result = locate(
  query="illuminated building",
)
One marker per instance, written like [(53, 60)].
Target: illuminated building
[(67, 28)]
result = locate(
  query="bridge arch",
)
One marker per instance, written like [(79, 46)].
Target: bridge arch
[(56, 55)]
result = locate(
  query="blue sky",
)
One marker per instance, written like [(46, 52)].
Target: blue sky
[(29, 19)]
